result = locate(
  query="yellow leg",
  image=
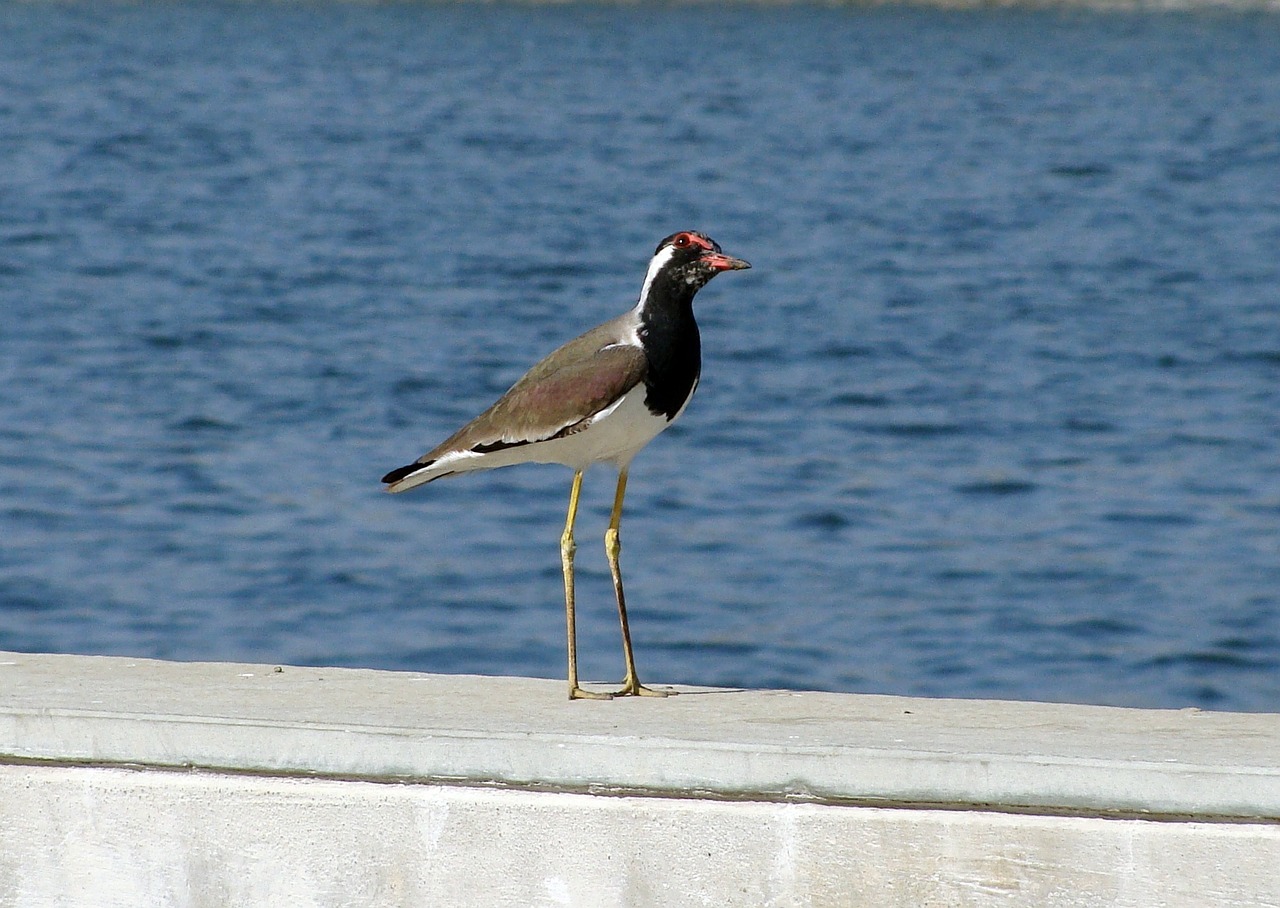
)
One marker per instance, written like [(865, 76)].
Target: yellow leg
[(567, 548), (612, 547)]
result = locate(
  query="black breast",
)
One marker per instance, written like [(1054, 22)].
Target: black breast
[(674, 350)]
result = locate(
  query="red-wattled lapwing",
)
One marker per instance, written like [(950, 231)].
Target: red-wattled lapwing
[(598, 399)]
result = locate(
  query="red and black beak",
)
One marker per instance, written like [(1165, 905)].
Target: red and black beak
[(721, 262)]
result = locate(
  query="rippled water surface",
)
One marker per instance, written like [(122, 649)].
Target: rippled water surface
[(995, 414)]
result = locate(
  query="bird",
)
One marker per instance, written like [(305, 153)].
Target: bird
[(597, 399)]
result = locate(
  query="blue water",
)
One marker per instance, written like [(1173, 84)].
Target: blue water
[(994, 415)]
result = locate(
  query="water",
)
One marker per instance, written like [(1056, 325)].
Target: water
[(995, 414)]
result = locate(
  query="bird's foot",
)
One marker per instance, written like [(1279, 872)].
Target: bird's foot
[(578, 693), (633, 688)]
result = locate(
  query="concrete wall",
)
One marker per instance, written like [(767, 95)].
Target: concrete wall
[(135, 783)]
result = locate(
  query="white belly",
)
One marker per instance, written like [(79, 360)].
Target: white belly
[(613, 437)]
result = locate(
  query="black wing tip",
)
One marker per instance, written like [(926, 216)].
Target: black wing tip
[(400, 473)]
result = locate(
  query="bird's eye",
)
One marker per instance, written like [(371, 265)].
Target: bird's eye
[(682, 240)]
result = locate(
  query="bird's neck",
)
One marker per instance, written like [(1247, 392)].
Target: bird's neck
[(671, 343)]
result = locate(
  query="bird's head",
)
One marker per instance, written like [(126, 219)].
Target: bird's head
[(693, 258)]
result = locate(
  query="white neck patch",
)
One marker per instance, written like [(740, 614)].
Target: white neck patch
[(659, 262)]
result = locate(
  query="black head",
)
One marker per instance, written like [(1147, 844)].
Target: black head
[(693, 258)]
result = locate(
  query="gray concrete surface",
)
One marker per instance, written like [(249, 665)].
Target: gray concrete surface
[(520, 731), (115, 838), (135, 782)]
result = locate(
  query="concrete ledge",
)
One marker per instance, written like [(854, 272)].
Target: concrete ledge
[(739, 797), (760, 745)]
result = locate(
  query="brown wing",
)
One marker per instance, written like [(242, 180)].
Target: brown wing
[(557, 397)]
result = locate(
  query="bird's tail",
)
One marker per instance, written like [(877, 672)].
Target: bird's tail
[(411, 475)]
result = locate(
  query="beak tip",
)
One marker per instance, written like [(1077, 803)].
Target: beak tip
[(722, 262)]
